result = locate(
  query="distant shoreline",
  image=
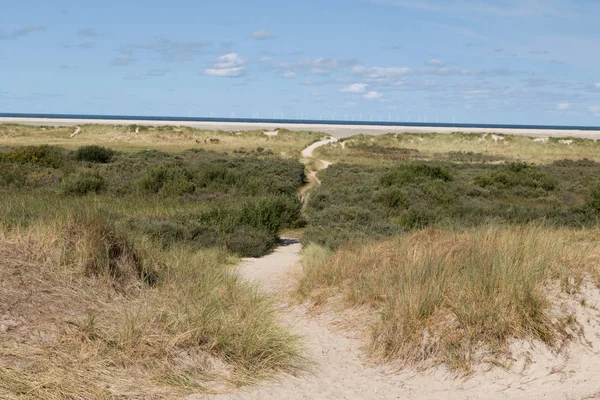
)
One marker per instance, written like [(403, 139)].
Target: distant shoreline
[(339, 129)]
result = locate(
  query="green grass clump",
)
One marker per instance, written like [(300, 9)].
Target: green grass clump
[(94, 154)]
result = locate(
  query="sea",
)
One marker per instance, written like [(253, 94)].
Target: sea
[(295, 121)]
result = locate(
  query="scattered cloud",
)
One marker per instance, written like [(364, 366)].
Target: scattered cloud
[(229, 65), (166, 49), (563, 106), (125, 57), (316, 66), (597, 85), (435, 63), (393, 47), (479, 8), (458, 30), (83, 45), (354, 88), (381, 73), (88, 32), (261, 34), (175, 51), (372, 95), (556, 62), (21, 32), (288, 74), (153, 73)]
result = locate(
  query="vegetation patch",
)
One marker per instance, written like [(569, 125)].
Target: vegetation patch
[(452, 297), (95, 154)]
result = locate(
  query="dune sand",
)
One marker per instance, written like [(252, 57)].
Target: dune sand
[(337, 368)]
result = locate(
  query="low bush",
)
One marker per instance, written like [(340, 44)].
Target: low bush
[(171, 180), (84, 183), (520, 177), (94, 154), (411, 173), (12, 176), (247, 241), (43, 156)]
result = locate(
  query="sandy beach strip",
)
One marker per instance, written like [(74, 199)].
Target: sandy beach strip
[(339, 131)]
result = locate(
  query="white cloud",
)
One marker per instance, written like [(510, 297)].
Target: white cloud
[(354, 88), (435, 63), (265, 58), (380, 73), (594, 109), (563, 106), (597, 85), (288, 74), (229, 65), (372, 95), (261, 34)]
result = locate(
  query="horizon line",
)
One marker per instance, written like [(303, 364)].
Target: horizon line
[(101, 117)]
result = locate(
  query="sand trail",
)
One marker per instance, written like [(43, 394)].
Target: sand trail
[(337, 368)]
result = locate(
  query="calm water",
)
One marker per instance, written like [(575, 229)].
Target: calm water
[(295, 121)]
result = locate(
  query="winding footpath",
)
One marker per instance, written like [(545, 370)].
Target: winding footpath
[(338, 369)]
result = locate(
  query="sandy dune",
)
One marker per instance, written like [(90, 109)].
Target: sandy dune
[(338, 370)]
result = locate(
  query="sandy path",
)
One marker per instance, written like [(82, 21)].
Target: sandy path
[(338, 369)]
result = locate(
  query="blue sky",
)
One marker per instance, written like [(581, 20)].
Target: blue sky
[(478, 61)]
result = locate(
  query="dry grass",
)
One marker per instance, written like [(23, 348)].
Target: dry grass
[(456, 297), (438, 146), (167, 138), (86, 312)]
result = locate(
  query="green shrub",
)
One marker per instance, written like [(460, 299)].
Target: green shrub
[(95, 154), (84, 183), (593, 201), (392, 197), (520, 177), (247, 241), (12, 176), (169, 181), (43, 156), (412, 173)]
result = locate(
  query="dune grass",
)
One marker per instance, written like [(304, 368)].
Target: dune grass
[(91, 311), (115, 271), (456, 147), (453, 297), (129, 138)]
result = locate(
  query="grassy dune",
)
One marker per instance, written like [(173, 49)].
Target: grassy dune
[(165, 138), (457, 297), (456, 147), (451, 247), (115, 271), (91, 311)]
